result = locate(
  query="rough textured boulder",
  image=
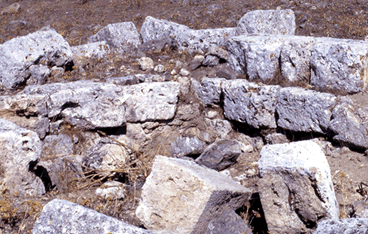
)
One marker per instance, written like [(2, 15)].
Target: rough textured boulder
[(61, 216), (256, 56), (295, 187), (345, 226), (17, 56), (303, 110), (186, 146), (295, 57), (340, 65), (180, 196), (208, 90), (120, 35), (267, 22), (185, 38), (91, 50), (19, 148), (250, 103), (349, 123), (220, 154)]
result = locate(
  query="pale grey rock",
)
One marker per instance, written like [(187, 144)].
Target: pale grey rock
[(343, 226), (11, 9), (340, 65), (250, 103), (178, 190), (220, 127), (145, 63), (18, 148), (184, 72), (296, 188), (296, 52), (124, 80), (227, 222), (303, 110), (186, 146), (218, 52), (98, 49), (119, 35), (208, 90), (44, 47), (196, 62), (267, 22), (349, 123), (211, 61), (276, 138), (159, 68), (39, 74), (186, 38), (61, 216), (188, 111), (111, 190), (220, 154)]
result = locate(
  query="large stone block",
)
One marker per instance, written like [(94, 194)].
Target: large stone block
[(180, 196), (208, 90), (44, 47), (119, 35), (18, 148), (340, 65), (267, 22), (295, 187), (61, 216), (303, 110), (345, 226), (349, 123), (250, 103)]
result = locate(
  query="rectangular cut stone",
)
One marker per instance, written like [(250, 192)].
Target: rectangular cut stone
[(267, 22), (296, 52), (349, 123), (296, 188), (247, 102), (180, 196), (304, 110), (61, 216), (339, 65), (208, 90)]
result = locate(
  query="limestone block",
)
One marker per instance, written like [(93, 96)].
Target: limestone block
[(296, 188), (180, 196), (346, 226), (208, 90)]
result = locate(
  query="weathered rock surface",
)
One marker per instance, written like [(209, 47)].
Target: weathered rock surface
[(111, 190), (250, 103), (345, 226), (98, 49), (276, 138), (178, 190), (119, 35), (349, 123), (19, 147), (186, 146), (220, 154), (267, 22), (303, 110), (186, 38), (208, 90), (295, 187), (61, 216), (360, 209), (340, 65), (44, 47), (227, 222)]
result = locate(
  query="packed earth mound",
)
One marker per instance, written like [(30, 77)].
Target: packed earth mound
[(183, 117)]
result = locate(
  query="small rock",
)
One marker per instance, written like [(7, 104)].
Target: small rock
[(159, 68), (196, 62), (145, 63), (276, 138), (221, 154), (211, 61), (186, 146), (13, 8), (217, 51), (184, 72), (111, 190)]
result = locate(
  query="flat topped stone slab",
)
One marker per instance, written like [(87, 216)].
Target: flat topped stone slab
[(180, 196), (296, 187), (61, 216)]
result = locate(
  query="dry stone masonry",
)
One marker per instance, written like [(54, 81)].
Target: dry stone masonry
[(201, 124)]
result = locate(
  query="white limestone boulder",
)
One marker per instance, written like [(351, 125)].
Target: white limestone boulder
[(302, 110), (18, 148), (267, 22), (340, 65), (61, 216), (296, 188), (247, 102), (45, 47), (119, 35), (180, 196)]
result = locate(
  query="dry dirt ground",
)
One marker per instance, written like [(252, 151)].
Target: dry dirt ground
[(79, 19)]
